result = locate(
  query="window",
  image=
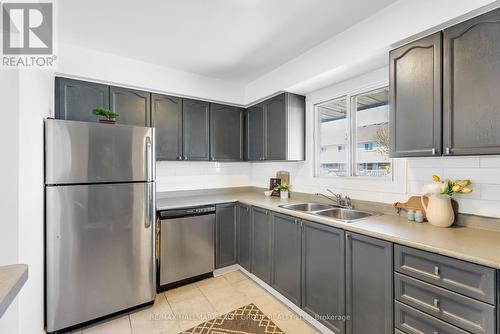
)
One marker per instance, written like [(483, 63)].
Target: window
[(353, 135)]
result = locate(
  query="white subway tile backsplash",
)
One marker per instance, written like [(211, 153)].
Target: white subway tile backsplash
[(490, 192), (483, 171), (449, 162), (489, 162)]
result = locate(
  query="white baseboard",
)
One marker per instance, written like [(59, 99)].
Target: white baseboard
[(315, 323), (225, 270)]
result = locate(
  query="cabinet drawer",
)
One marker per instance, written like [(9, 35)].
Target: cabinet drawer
[(412, 321), (463, 277), (464, 312)]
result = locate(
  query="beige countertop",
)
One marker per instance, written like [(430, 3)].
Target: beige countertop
[(465, 243), (12, 279)]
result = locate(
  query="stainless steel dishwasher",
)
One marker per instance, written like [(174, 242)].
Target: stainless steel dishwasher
[(187, 244)]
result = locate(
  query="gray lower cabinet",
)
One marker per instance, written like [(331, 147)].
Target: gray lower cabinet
[(286, 243), (255, 132), (76, 99), (226, 252), (167, 121), (261, 244), (226, 132), (225, 235), (195, 129), (323, 274), (471, 119), (244, 236), (463, 277), (134, 106), (369, 295), (412, 321), (415, 98), (464, 312)]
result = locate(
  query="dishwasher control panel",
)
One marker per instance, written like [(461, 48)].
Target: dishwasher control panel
[(196, 211)]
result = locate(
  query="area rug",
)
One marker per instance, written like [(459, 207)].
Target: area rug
[(248, 319)]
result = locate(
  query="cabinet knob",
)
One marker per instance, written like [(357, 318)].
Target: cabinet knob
[(437, 271), (447, 150), (436, 303), (185, 157), (179, 157), (433, 151)]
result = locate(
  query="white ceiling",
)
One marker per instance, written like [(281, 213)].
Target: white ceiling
[(234, 40)]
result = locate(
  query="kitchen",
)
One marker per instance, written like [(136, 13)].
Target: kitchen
[(134, 194)]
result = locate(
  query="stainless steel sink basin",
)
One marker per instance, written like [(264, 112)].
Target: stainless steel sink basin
[(346, 215), (306, 207)]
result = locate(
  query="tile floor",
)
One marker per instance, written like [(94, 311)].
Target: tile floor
[(180, 309)]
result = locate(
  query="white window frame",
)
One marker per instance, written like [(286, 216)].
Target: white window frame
[(351, 136)]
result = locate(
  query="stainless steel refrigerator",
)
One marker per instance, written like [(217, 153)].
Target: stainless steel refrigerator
[(100, 218)]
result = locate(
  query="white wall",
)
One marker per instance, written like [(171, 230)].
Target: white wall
[(360, 48), (36, 96), (79, 62), (9, 194)]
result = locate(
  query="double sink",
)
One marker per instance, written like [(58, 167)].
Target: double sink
[(330, 211)]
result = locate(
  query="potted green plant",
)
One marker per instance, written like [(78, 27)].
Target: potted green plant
[(283, 189), (106, 116)]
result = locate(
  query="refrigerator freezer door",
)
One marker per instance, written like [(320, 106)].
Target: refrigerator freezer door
[(80, 152), (99, 251)]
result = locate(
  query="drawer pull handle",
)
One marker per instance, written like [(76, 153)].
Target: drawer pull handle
[(437, 271), (436, 303)]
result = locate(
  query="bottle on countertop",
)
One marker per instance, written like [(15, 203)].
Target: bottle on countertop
[(419, 216), (411, 215)]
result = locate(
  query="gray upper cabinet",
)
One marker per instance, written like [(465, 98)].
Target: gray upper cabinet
[(255, 132), (261, 244), (275, 138), (76, 99), (276, 128), (369, 295), (195, 129), (244, 236), (323, 274), (167, 121), (225, 235), (134, 106), (471, 112), (415, 98), (226, 132), (286, 275)]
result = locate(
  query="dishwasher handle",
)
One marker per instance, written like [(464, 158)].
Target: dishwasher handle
[(187, 212)]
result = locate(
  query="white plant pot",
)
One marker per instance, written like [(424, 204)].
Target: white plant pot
[(284, 194)]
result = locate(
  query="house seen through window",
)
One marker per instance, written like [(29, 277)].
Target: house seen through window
[(353, 135)]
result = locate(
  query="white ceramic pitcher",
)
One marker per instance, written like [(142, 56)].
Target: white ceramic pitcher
[(439, 211)]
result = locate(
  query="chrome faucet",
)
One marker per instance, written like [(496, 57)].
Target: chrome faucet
[(338, 199)]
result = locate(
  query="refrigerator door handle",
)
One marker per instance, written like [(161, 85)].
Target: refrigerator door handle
[(149, 159), (150, 207)]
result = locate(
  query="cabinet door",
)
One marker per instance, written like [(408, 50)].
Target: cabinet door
[(195, 129), (286, 256), (415, 98), (132, 105), (226, 132), (76, 99), (225, 227), (275, 125), (369, 296), (244, 236), (167, 121), (255, 132), (261, 244), (323, 274), (471, 114)]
